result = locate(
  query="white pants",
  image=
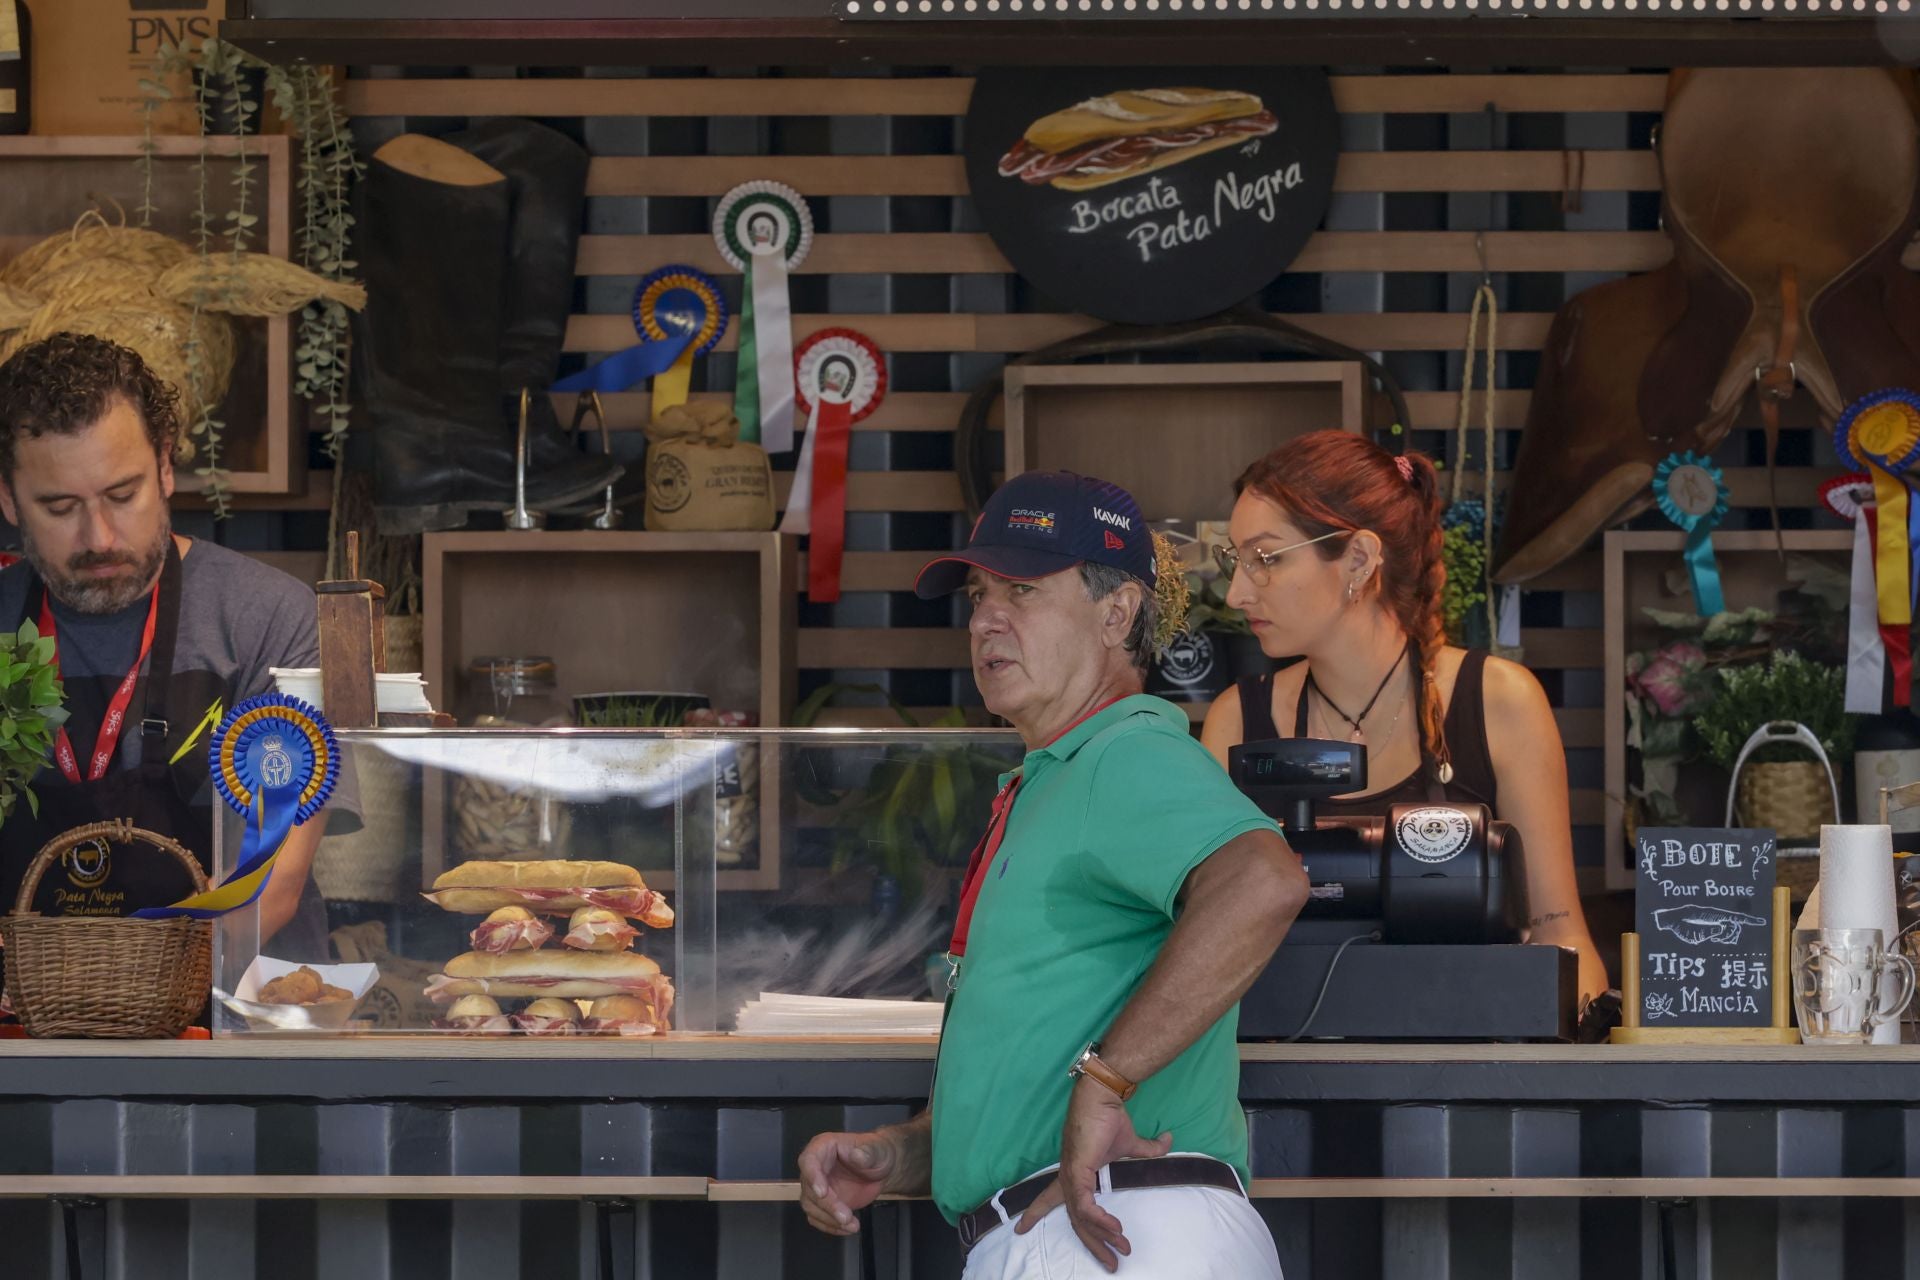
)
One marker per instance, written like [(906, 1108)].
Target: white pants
[(1177, 1233)]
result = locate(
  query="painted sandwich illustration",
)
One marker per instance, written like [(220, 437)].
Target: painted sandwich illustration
[(1133, 132)]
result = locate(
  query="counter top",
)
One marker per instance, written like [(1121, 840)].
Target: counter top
[(719, 1067)]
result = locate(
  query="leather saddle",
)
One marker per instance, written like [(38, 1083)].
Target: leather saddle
[(1789, 195)]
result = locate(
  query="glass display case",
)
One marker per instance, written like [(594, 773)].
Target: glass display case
[(779, 882)]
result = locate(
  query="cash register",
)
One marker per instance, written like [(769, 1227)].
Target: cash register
[(1413, 924)]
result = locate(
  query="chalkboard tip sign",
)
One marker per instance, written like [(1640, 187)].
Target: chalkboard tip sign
[(1704, 905)]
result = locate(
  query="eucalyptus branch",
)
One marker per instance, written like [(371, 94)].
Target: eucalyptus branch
[(207, 427)]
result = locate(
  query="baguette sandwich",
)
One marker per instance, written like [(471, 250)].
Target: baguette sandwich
[(1136, 131), (565, 974), (551, 886)]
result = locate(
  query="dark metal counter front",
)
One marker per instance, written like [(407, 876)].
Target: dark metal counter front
[(1563, 1161)]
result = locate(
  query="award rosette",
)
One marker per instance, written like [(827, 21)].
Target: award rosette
[(841, 378), (1693, 494), (1869, 646), (679, 313), (1880, 434), (275, 760), (764, 230)]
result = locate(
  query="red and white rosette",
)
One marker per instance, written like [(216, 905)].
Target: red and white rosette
[(1869, 644), (840, 377)]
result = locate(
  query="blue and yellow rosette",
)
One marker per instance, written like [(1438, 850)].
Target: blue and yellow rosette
[(1693, 494), (1880, 434), (679, 313), (275, 761)]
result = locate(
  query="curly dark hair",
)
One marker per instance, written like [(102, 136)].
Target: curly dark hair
[(69, 381)]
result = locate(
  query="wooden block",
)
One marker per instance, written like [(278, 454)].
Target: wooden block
[(352, 649)]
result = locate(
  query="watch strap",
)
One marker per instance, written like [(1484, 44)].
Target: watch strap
[(1091, 1064)]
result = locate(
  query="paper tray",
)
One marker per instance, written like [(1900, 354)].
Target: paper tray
[(357, 978)]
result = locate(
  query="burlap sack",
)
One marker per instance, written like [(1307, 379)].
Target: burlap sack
[(699, 475)]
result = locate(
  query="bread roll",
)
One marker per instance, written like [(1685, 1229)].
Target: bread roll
[(553, 1007), (598, 929), (543, 873), (474, 1007), (552, 964), (582, 975), (510, 929)]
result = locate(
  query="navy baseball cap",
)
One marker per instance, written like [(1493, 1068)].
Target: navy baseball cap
[(1041, 522)]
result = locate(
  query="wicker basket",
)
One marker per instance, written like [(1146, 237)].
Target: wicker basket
[(1791, 797), (109, 978)]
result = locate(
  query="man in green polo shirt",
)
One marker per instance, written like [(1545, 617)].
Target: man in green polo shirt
[(1123, 899)]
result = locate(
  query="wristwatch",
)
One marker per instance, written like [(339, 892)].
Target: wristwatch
[(1091, 1065)]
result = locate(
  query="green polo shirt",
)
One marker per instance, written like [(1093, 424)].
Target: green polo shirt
[(1108, 821)]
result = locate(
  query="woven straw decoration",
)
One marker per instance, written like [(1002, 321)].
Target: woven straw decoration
[(137, 288)]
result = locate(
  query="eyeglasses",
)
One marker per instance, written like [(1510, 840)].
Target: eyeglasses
[(1260, 566)]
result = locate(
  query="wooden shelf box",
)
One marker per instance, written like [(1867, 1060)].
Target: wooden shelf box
[(1644, 569), (46, 183), (711, 613), (1176, 435)]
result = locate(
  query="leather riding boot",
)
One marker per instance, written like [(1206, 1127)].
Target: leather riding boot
[(437, 248), (547, 176)]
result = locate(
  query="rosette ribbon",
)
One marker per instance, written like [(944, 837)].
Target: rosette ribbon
[(275, 761), (1693, 494), (679, 313), (763, 230), (1880, 434), (840, 378), (1868, 646)]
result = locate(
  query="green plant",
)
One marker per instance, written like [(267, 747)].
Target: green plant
[(920, 804), (305, 98), (633, 713), (1465, 556), (1671, 684), (304, 95), (1207, 608), (1785, 687), (31, 710)]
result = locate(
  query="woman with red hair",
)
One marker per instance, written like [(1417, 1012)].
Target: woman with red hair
[(1335, 558)]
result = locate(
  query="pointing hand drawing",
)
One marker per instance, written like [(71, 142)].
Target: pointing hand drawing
[(1704, 924)]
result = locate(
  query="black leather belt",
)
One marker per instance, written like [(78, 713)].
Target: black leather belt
[(1125, 1175)]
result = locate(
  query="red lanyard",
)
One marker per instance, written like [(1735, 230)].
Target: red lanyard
[(977, 866), (116, 717), (989, 845)]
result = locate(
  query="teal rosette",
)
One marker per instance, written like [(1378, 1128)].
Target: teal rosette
[(1692, 493)]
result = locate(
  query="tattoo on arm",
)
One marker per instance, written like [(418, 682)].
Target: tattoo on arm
[(1537, 921)]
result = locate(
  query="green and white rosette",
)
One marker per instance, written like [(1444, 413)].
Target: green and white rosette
[(764, 231), (1693, 494)]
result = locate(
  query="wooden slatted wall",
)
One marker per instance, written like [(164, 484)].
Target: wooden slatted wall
[(1435, 170)]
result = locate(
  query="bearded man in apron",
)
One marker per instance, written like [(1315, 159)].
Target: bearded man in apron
[(157, 635)]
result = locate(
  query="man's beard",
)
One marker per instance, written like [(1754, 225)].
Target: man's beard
[(73, 587)]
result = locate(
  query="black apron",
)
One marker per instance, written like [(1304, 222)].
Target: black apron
[(103, 879)]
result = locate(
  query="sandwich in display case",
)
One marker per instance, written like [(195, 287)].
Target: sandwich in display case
[(621, 882)]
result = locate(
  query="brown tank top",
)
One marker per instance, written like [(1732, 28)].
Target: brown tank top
[(1465, 727)]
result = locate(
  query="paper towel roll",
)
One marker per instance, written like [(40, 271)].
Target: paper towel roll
[(1856, 890)]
